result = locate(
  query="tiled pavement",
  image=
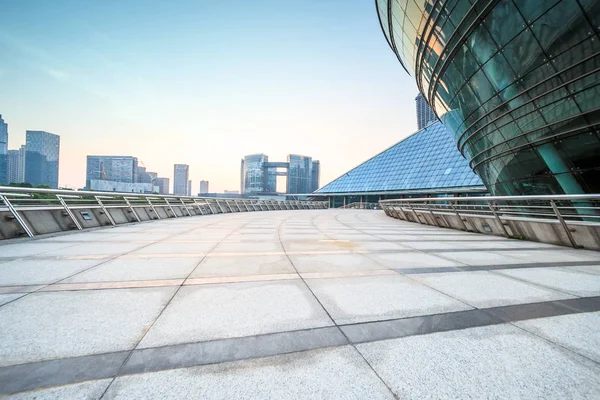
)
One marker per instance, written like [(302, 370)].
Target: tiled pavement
[(296, 304)]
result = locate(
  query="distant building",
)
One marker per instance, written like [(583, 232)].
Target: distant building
[(3, 151), (299, 174), (189, 188), (12, 167), (112, 168), (42, 158), (259, 176), (162, 184), (231, 192), (123, 187), (425, 114), (315, 176), (181, 174), (203, 187)]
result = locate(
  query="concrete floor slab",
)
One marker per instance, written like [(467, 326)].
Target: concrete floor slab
[(577, 332), (482, 257), (37, 272), (248, 247), (565, 254), (492, 362), (563, 279), (5, 298), (487, 289), (99, 248), (249, 265), (138, 269), (373, 298), (333, 262), (177, 248), (43, 326), (339, 373), (208, 312), (414, 259)]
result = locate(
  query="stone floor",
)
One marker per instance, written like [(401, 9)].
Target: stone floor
[(296, 304)]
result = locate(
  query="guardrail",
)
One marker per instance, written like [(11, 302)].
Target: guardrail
[(362, 206), (32, 211), (572, 220)]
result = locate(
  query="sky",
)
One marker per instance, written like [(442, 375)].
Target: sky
[(203, 82)]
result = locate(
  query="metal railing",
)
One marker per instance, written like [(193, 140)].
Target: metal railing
[(21, 204), (360, 205), (582, 209)]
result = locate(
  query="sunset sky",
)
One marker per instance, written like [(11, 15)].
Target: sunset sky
[(203, 83)]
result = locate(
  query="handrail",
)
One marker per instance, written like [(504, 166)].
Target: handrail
[(573, 209), (83, 209)]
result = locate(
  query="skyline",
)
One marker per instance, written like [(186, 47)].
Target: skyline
[(203, 84)]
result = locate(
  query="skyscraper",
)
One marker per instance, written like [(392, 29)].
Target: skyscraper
[(163, 185), (3, 151), (299, 174), (425, 114), (189, 188), (181, 174), (112, 168), (12, 167), (253, 177), (315, 175), (203, 187), (42, 158)]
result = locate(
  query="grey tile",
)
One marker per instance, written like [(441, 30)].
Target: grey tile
[(176, 248), (245, 265), (338, 373), (90, 390), (218, 351), (412, 260), (486, 289), (380, 330), (35, 272), (209, 312), (20, 378), (44, 326), (473, 363), (481, 258), (577, 332), (272, 246), (373, 298)]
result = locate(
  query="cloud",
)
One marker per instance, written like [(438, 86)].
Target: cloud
[(55, 73)]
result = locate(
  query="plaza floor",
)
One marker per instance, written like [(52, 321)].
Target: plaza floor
[(340, 304)]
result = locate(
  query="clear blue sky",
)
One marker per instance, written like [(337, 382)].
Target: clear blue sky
[(203, 82)]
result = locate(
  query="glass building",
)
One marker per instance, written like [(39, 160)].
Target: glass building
[(300, 174), (516, 82), (3, 151), (425, 114), (258, 175), (111, 168), (423, 164), (253, 178), (181, 175), (41, 159)]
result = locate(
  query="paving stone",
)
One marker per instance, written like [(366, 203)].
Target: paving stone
[(569, 281)]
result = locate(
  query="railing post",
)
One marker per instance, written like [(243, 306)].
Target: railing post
[(170, 208), (131, 208), (198, 207), (432, 215), (414, 212), (98, 199), (15, 214), (492, 208), (153, 208), (185, 206), (219, 205), (68, 210), (564, 225), (459, 217)]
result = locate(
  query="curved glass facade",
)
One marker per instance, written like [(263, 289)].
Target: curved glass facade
[(517, 82)]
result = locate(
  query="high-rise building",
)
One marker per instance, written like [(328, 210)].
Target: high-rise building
[(12, 166), (3, 151), (203, 187), (515, 83), (163, 185), (315, 175), (189, 188), (181, 174), (425, 114), (113, 168), (42, 158), (299, 174), (253, 176)]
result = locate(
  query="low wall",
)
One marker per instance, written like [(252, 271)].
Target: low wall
[(545, 231)]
